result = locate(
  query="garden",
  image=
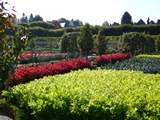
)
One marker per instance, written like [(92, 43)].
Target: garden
[(85, 73)]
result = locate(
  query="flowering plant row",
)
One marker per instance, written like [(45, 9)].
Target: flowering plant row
[(25, 74), (107, 58)]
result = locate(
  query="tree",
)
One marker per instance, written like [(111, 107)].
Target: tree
[(140, 22), (148, 20), (69, 43), (134, 42), (86, 40), (101, 43), (37, 18), (24, 18), (126, 18), (31, 18), (10, 45)]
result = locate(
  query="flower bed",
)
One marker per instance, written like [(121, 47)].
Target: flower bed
[(25, 74), (111, 58)]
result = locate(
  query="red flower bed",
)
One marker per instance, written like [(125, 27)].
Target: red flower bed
[(26, 74), (107, 58)]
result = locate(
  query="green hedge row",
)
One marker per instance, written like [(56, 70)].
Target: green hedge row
[(119, 30), (91, 95), (44, 43), (41, 32), (139, 42)]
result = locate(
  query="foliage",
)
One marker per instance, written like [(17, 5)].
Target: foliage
[(69, 43), (86, 40), (148, 56), (31, 18), (91, 95), (10, 46), (145, 63), (41, 32), (37, 18), (24, 19), (137, 43), (44, 43), (119, 30), (11, 111), (111, 58), (25, 74), (101, 44), (116, 43), (126, 19)]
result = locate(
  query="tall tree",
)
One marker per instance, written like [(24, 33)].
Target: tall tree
[(148, 20), (86, 40), (37, 18), (126, 18), (31, 18), (24, 18), (101, 43)]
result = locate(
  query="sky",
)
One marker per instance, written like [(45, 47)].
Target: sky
[(94, 12)]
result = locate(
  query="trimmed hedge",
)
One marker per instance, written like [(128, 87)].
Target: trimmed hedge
[(41, 32), (149, 43), (145, 63), (44, 43), (91, 95), (119, 30)]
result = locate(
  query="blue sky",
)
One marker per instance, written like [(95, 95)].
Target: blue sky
[(94, 12)]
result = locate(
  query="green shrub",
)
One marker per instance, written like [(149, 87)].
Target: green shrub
[(144, 56), (119, 30), (91, 95), (145, 63), (69, 43), (41, 32), (11, 111), (44, 43)]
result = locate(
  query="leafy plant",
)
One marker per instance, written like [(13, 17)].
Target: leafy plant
[(91, 95), (10, 46)]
